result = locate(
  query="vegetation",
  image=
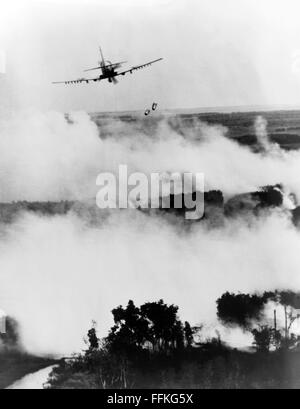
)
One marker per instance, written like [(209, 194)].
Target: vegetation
[(248, 312), (149, 347), (283, 126), (14, 362)]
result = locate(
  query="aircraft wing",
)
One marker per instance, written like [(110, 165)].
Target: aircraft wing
[(80, 80), (138, 67)]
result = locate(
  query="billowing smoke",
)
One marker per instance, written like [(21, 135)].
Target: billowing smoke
[(46, 157), (264, 142), (261, 133), (59, 273)]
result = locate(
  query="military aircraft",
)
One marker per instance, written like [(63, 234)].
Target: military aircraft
[(108, 71)]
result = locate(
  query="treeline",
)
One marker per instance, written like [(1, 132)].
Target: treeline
[(216, 209), (150, 347), (249, 312), (283, 126), (9, 211)]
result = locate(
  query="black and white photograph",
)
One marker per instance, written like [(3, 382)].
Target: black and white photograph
[(149, 197)]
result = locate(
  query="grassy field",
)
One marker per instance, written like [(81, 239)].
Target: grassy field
[(283, 126), (197, 369), (15, 365)]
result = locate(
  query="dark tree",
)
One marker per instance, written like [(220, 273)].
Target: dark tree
[(289, 299), (240, 309), (263, 338), (270, 196), (130, 331), (93, 340), (165, 329), (189, 334), (247, 310), (153, 324)]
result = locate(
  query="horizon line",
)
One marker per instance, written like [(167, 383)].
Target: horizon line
[(216, 109)]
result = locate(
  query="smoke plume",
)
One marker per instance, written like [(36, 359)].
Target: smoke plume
[(59, 273)]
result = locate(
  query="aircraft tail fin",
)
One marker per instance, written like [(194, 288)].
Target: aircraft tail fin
[(102, 58)]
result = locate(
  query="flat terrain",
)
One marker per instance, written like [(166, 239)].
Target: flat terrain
[(283, 126), (15, 365)]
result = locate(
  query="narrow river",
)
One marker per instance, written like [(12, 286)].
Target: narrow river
[(34, 380)]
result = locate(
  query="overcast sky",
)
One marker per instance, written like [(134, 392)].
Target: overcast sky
[(216, 53)]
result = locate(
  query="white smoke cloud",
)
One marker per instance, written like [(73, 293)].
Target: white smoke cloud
[(261, 132), (44, 157), (264, 142), (57, 274)]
